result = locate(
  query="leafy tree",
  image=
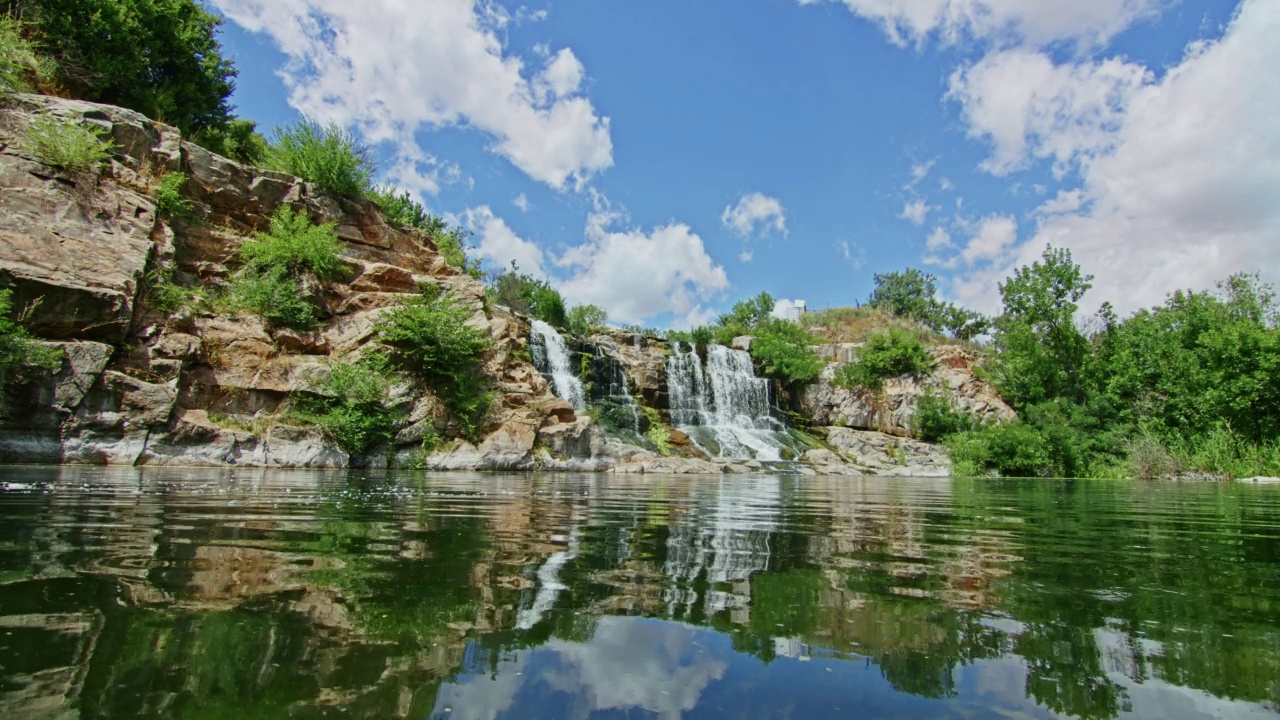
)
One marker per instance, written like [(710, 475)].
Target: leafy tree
[(528, 295), (1041, 351), (21, 69), (583, 319), (238, 139), (909, 294), (159, 57)]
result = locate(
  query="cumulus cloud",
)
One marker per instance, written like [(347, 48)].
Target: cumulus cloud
[(916, 211), (635, 274), (1039, 22), (755, 211), (521, 202), (1028, 108), (394, 68), (500, 244), (1183, 193), (994, 235)]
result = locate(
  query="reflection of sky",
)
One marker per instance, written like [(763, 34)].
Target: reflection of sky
[(634, 667)]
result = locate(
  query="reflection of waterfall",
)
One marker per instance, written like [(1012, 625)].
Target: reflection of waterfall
[(551, 357), (723, 407), (549, 584), (730, 546)]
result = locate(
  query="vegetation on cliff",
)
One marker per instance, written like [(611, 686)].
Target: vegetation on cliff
[(20, 355)]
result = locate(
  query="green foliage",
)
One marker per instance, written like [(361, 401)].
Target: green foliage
[(357, 415), (886, 354), (20, 355), (700, 337), (785, 350), (169, 200), (912, 294), (402, 210), (21, 69), (525, 294), (1199, 360), (1012, 450), (67, 145), (272, 294), (328, 155), (1041, 351), (582, 320), (935, 418), (452, 245), (659, 433), (744, 318), (237, 139), (158, 57), (431, 337), (292, 243)]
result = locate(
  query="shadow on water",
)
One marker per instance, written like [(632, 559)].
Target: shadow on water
[(267, 594)]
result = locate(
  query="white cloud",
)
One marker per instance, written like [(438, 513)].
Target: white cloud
[(786, 308), (939, 239), (500, 244), (755, 211), (920, 171), (1027, 107), (746, 256), (1184, 194), (1039, 22), (916, 211), (394, 68), (995, 234), (854, 255), (635, 275), (521, 202)]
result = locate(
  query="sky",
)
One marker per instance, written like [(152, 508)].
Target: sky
[(665, 159)]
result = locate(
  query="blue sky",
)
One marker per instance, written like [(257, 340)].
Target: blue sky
[(665, 159)]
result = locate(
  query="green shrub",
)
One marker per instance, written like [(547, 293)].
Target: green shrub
[(699, 337), (19, 354), (238, 139), (1228, 454), (402, 210), (328, 155), (786, 351), (886, 354), (294, 244), (525, 294), (357, 416), (272, 294), (169, 200), (1012, 450), (67, 145), (935, 418), (167, 296), (585, 319), (431, 337)]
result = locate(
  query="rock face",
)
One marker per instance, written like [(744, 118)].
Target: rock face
[(891, 409), (139, 386)]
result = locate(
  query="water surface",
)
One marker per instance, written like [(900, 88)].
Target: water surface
[(257, 594)]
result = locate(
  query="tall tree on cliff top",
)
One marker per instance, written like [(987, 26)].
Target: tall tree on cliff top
[(158, 57)]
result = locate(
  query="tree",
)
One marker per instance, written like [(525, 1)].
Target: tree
[(159, 57), (1041, 351), (908, 294), (745, 316)]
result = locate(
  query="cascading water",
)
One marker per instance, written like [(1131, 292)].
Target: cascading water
[(611, 392), (551, 357), (724, 407)]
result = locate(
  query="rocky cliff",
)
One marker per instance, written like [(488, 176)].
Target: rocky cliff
[(83, 251)]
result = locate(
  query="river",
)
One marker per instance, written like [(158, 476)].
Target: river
[(268, 594)]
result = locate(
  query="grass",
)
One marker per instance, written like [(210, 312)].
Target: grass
[(328, 155), (21, 68), (168, 193), (1220, 452), (67, 145), (856, 324), (272, 294)]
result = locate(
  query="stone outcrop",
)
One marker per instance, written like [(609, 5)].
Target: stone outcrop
[(891, 409), (140, 385)]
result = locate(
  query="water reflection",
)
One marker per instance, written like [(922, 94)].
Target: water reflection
[(205, 594)]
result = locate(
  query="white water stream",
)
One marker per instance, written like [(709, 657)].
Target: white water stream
[(723, 406), (551, 356)]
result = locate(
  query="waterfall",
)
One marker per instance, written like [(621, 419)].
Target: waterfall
[(723, 407), (611, 392), (551, 357)]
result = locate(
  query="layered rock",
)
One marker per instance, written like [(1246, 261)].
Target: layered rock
[(891, 408), (140, 386)]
